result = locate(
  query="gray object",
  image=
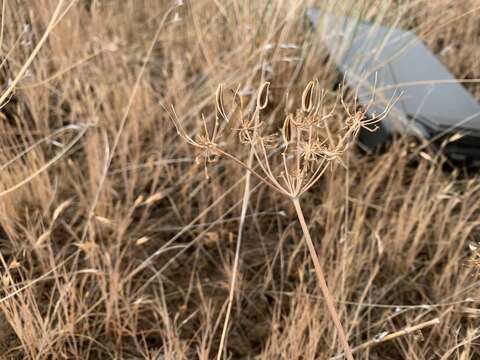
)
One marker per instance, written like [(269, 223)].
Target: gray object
[(387, 61)]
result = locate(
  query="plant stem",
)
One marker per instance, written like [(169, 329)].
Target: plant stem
[(246, 201), (322, 282)]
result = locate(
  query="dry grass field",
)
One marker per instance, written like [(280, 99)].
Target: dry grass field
[(115, 243)]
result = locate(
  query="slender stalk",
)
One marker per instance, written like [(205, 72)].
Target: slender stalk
[(322, 282), (246, 200)]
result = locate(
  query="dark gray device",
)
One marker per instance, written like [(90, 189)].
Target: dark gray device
[(433, 105)]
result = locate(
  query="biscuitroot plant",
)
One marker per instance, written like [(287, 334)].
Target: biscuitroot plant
[(290, 160)]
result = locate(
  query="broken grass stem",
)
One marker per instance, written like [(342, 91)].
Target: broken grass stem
[(321, 281), (405, 331)]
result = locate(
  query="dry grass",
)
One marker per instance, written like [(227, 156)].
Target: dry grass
[(114, 244)]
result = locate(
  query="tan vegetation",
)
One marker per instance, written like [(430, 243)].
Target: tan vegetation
[(114, 243)]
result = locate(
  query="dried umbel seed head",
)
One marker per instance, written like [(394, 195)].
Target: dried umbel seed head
[(365, 118), (249, 130), (310, 141)]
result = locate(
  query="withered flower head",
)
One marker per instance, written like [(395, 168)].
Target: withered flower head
[(309, 140)]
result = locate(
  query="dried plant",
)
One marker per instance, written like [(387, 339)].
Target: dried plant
[(150, 279), (308, 143)]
